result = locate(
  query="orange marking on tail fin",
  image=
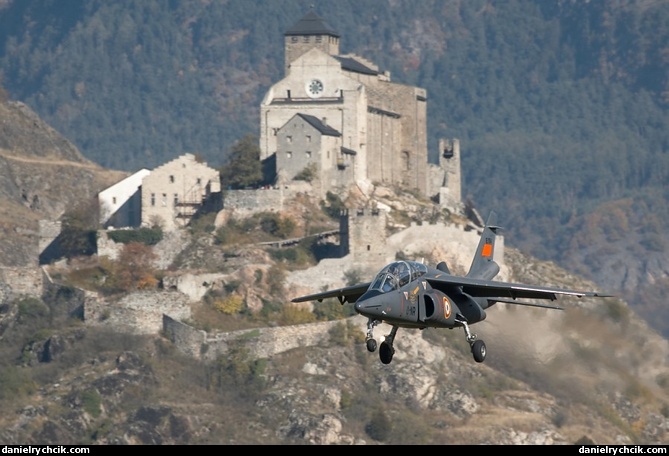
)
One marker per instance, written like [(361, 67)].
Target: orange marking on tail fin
[(487, 250)]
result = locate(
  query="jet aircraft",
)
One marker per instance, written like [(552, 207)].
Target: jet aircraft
[(410, 294)]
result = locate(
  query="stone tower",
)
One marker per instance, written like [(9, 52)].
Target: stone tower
[(309, 32), (362, 127), (363, 235), (450, 193)]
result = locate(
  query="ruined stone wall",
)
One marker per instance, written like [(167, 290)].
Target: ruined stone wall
[(22, 281), (261, 342), (137, 313), (195, 286), (247, 202), (106, 246), (187, 339), (48, 232)]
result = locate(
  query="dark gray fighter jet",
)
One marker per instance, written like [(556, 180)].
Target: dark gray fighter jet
[(410, 294)]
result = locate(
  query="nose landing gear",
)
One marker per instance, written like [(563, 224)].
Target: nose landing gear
[(386, 351)]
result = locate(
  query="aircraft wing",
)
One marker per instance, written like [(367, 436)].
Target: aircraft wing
[(346, 294), (494, 289)]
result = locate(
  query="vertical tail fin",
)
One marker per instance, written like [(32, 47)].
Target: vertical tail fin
[(483, 265)]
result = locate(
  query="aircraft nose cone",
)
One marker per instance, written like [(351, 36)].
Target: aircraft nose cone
[(369, 303)]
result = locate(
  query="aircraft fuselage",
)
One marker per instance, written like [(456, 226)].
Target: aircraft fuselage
[(417, 305)]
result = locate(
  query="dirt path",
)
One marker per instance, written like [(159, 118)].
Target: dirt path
[(48, 161)]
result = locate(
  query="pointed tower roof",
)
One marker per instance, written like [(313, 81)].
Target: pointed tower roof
[(311, 24)]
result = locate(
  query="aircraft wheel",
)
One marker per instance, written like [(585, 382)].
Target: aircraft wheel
[(479, 351), (371, 345), (386, 353)]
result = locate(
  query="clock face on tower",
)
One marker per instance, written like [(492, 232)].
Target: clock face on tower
[(315, 88)]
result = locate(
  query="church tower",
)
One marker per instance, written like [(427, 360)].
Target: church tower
[(341, 116), (309, 32)]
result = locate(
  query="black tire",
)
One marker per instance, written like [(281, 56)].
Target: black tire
[(479, 351), (371, 345), (386, 353)]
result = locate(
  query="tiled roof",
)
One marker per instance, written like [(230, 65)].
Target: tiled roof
[(311, 24), (349, 64), (320, 126)]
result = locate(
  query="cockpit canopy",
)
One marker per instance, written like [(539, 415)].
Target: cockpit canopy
[(395, 275)]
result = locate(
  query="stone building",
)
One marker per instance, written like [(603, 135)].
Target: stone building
[(174, 192), (170, 195), (343, 116), (120, 204)]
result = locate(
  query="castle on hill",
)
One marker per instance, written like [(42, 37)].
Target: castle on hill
[(347, 120), (336, 115)]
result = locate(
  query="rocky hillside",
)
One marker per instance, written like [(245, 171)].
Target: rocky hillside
[(42, 175), (593, 373)]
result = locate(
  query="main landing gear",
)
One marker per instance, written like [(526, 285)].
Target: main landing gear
[(477, 346), (386, 351)]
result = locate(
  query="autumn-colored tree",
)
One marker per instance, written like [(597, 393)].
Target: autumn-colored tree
[(134, 268)]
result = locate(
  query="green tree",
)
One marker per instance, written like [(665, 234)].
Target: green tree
[(243, 168), (79, 226)]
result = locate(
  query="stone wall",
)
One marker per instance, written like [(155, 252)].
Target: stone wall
[(195, 286), (106, 246), (248, 202), (22, 281), (261, 342), (251, 201), (137, 313)]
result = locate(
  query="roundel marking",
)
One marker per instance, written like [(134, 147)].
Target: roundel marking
[(447, 307)]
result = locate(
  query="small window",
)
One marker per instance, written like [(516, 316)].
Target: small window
[(289, 154), (308, 154), (308, 138), (319, 39), (113, 200), (199, 180), (289, 139), (176, 199), (164, 199), (305, 39), (171, 179), (293, 39), (153, 199)]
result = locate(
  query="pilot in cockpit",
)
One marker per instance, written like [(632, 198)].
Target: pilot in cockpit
[(391, 281), (388, 284)]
